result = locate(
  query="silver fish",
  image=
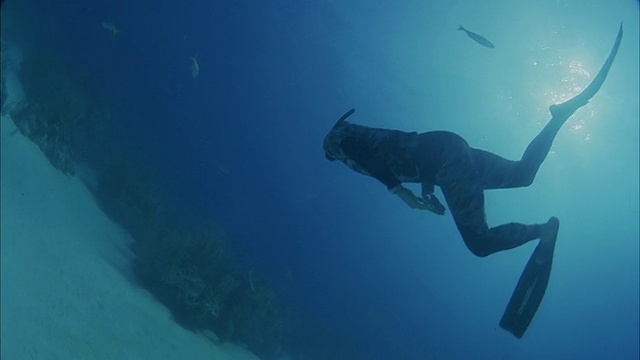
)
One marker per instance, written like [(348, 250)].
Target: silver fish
[(477, 38), (195, 67), (111, 27)]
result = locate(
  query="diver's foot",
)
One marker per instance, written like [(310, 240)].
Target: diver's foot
[(564, 110), (549, 231)]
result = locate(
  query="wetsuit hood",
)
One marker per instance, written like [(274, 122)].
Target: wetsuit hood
[(331, 142)]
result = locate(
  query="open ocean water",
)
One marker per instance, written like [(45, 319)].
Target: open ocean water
[(223, 106)]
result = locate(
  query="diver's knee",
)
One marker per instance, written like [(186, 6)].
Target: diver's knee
[(525, 176), (480, 252), (478, 249), (528, 180)]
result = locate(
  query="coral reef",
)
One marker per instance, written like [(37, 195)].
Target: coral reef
[(189, 272), (125, 191), (186, 269), (5, 67), (58, 107), (3, 92)]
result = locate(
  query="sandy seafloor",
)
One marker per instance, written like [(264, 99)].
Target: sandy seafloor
[(66, 292)]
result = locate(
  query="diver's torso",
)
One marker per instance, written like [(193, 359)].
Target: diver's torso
[(412, 157)]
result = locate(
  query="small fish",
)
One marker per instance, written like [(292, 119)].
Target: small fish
[(251, 281), (111, 27), (195, 68), (477, 38), (223, 169)]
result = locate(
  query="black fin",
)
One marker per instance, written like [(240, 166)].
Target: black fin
[(530, 290)]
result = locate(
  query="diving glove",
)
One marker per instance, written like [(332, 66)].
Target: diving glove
[(433, 204), (430, 200), (426, 202)]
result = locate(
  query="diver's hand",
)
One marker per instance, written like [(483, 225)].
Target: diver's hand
[(431, 203), (409, 197), (434, 204)]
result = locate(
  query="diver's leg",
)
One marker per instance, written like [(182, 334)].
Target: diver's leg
[(539, 147), (463, 192), (467, 208), (536, 152), (496, 172)]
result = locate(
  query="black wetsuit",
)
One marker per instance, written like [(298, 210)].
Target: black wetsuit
[(462, 172)]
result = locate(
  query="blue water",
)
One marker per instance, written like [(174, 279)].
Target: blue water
[(241, 144)]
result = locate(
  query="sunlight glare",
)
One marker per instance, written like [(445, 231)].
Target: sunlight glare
[(574, 78)]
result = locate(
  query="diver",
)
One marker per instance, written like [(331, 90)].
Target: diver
[(463, 173)]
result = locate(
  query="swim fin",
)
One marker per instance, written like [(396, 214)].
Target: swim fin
[(564, 110), (527, 296)]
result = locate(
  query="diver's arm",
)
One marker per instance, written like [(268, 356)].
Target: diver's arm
[(430, 203), (376, 167), (430, 198), (409, 197), (427, 188), (367, 159)]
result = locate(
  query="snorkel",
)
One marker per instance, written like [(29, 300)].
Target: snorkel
[(343, 118)]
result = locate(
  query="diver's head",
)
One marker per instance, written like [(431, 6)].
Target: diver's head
[(331, 144)]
